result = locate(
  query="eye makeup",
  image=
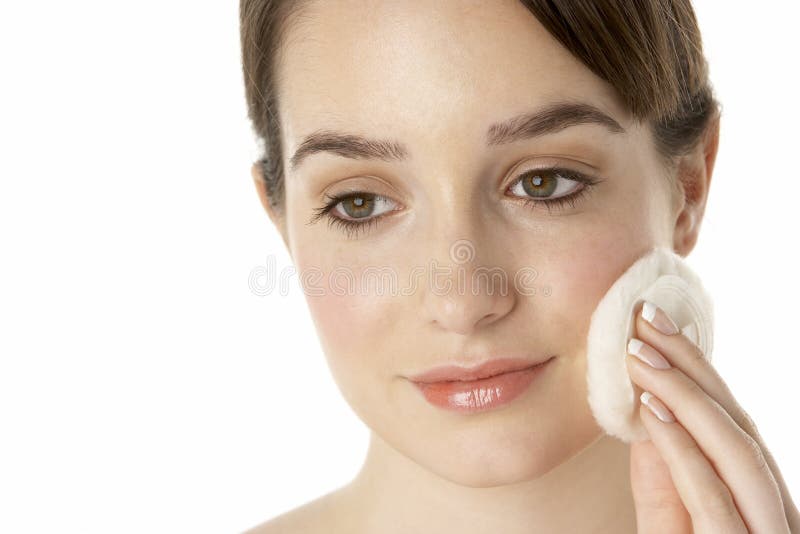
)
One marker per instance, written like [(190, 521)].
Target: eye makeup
[(353, 212)]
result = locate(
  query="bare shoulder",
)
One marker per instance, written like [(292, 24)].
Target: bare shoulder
[(325, 514)]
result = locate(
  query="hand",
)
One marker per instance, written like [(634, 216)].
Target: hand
[(708, 471)]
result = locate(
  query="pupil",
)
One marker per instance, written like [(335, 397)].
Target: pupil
[(359, 206), (539, 185)]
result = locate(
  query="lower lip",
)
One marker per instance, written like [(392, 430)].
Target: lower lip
[(481, 395)]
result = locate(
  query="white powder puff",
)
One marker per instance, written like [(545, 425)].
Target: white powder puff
[(665, 279)]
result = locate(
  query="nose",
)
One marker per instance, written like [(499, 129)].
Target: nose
[(464, 293)]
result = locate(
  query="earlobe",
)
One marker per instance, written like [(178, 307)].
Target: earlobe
[(693, 190), (686, 233), (694, 175)]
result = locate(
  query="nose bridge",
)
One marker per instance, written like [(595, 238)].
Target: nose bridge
[(466, 285)]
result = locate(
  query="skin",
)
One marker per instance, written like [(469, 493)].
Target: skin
[(709, 469), (426, 74)]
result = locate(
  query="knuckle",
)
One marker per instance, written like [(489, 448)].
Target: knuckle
[(659, 500), (718, 506), (752, 451), (694, 389), (748, 424), (696, 352)]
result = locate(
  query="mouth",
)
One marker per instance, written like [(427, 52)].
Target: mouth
[(491, 368), (492, 388)]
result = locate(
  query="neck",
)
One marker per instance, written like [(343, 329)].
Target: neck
[(589, 493)]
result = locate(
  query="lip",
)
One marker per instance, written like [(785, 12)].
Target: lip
[(449, 373), (481, 394)]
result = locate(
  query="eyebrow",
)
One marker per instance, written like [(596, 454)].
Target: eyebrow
[(550, 119)]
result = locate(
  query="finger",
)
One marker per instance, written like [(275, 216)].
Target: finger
[(658, 504), (706, 497), (681, 352), (735, 456)]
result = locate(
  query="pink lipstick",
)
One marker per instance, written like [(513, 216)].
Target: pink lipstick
[(493, 384)]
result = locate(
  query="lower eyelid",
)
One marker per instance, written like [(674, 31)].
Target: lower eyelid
[(563, 202)]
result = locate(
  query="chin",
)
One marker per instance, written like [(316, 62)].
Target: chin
[(497, 456), (496, 468)]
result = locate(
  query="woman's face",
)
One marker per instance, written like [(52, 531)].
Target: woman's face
[(428, 82)]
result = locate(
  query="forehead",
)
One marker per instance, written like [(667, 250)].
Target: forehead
[(424, 70)]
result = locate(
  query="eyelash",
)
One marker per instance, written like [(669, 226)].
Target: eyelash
[(353, 228)]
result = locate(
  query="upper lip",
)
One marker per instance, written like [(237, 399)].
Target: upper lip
[(489, 368)]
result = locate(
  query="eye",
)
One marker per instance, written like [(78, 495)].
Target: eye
[(551, 187), (354, 212), (361, 205), (358, 211)]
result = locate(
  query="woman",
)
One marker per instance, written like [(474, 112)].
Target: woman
[(566, 138)]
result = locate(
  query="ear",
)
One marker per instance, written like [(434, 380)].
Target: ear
[(694, 179), (261, 188)]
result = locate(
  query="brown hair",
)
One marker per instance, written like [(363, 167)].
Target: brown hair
[(649, 51)]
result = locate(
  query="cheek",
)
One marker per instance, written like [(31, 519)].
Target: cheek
[(351, 323), (343, 321), (591, 269), (579, 271), (355, 333)]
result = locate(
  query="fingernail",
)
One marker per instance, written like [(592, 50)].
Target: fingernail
[(657, 407), (647, 354), (658, 318)]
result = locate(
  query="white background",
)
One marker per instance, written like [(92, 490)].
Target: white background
[(145, 388)]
